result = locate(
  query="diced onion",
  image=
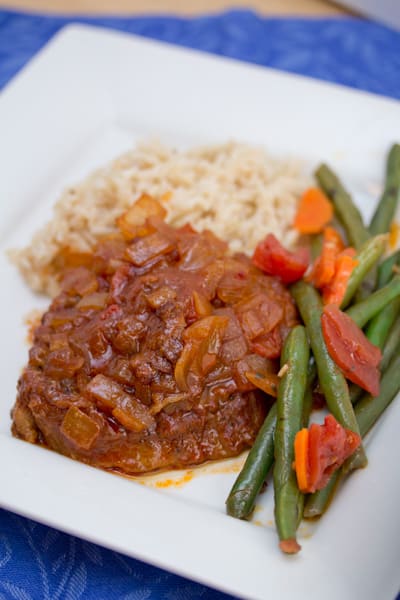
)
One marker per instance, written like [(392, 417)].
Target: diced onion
[(81, 429), (132, 223), (143, 250), (95, 301)]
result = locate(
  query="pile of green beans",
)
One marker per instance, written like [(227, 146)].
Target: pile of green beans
[(380, 311), (372, 300)]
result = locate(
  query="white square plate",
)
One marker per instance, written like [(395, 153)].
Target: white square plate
[(87, 96)]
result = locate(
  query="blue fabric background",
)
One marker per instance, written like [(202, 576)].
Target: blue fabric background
[(39, 563), (350, 51)]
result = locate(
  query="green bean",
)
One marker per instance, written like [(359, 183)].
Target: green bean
[(369, 408), (367, 257), (316, 245), (379, 327), (289, 500), (331, 379), (386, 208), (378, 277), (392, 346), (355, 392), (364, 311), (347, 212), (308, 396), (242, 497), (385, 270), (367, 411), (318, 502), (336, 224)]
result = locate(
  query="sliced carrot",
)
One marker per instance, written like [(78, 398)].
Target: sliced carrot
[(334, 292), (323, 269), (348, 252), (314, 212), (301, 458)]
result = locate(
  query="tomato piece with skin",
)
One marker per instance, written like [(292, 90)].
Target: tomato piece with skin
[(272, 258), (351, 350), (328, 446)]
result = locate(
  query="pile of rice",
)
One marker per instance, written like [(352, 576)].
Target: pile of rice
[(237, 191)]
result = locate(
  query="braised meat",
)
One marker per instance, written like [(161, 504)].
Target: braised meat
[(140, 362)]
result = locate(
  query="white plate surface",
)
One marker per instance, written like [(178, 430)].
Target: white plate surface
[(89, 95)]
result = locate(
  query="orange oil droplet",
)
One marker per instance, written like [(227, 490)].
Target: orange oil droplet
[(394, 235), (164, 483)]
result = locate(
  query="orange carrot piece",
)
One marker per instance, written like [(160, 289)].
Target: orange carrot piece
[(348, 252), (323, 270), (314, 212), (301, 459), (334, 292)]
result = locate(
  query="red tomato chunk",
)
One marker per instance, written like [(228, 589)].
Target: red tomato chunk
[(325, 449), (351, 350), (272, 258)]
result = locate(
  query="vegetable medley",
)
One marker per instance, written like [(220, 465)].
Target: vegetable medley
[(348, 348)]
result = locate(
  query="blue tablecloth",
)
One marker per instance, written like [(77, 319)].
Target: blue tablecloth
[(39, 563)]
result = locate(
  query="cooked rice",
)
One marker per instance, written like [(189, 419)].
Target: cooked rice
[(237, 191)]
